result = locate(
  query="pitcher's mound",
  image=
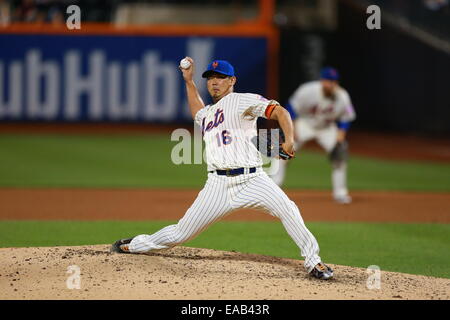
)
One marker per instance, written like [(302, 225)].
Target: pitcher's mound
[(92, 272)]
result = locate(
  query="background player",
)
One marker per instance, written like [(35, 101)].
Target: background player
[(322, 111), (235, 175)]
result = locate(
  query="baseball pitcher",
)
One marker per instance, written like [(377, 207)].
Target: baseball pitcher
[(323, 111), (235, 175)]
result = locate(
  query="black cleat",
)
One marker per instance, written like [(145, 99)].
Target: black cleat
[(121, 246), (322, 271)]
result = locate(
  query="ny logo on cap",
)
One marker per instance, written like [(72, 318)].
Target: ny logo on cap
[(215, 64)]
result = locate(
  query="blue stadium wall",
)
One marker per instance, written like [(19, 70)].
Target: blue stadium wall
[(112, 78)]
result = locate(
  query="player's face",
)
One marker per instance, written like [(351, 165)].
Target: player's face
[(329, 87), (220, 85)]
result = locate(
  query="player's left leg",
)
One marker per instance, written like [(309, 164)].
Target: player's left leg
[(327, 138), (260, 192)]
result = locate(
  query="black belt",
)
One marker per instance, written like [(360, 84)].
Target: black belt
[(233, 172)]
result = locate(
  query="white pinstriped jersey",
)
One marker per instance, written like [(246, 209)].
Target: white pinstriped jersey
[(227, 130), (309, 102), (228, 127)]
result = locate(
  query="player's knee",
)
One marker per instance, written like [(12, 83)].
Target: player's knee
[(282, 208), (278, 206), (294, 210)]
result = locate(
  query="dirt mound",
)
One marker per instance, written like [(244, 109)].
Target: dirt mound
[(190, 273)]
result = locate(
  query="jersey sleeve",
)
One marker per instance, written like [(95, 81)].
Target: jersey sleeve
[(200, 115), (348, 112), (252, 106)]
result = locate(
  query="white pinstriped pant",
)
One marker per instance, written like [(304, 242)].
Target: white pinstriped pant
[(219, 197)]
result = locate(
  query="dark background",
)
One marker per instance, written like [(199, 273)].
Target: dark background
[(396, 82)]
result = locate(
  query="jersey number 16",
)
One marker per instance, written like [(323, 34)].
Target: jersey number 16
[(223, 138)]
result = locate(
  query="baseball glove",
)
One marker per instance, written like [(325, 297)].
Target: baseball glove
[(339, 152), (284, 154)]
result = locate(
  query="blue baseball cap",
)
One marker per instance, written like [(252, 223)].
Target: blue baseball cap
[(219, 66), (329, 73)]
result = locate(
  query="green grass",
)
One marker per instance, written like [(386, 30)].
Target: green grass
[(410, 248), (95, 161), (312, 171)]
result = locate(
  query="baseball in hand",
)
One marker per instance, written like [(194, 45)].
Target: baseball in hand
[(184, 63)]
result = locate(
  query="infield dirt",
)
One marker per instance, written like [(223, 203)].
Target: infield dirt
[(189, 273), (170, 204)]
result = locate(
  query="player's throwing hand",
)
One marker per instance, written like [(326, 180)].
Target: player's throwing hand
[(188, 73)]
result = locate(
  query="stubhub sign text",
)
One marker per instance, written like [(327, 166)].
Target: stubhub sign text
[(115, 78)]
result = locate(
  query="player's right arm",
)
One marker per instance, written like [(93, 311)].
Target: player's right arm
[(194, 99)]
